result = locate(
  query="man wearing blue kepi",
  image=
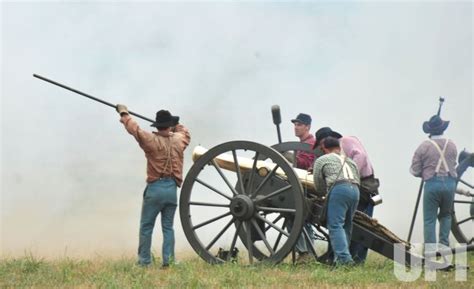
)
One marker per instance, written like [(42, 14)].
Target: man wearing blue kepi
[(338, 177), (164, 153), (434, 161), (304, 161)]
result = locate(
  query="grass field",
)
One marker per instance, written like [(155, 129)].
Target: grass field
[(193, 272)]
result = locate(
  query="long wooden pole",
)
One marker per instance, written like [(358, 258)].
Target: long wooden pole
[(89, 96), (441, 101)]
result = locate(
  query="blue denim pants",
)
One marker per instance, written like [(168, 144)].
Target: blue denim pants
[(438, 195), (302, 244), (342, 205), (359, 251), (159, 197)]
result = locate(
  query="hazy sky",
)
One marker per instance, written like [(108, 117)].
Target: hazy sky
[(72, 179)]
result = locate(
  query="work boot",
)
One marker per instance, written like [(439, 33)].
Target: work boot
[(304, 258)]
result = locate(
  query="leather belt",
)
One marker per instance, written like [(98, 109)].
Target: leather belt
[(339, 182)]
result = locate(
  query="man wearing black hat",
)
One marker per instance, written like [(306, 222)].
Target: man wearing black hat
[(353, 148), (337, 177), (164, 153), (434, 161)]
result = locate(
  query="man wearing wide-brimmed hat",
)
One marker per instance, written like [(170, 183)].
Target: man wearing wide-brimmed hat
[(164, 153), (353, 148), (434, 161), (337, 177)]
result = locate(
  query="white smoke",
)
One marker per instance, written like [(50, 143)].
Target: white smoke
[(72, 178)]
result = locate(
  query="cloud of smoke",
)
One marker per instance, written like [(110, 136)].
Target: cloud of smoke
[(72, 178)]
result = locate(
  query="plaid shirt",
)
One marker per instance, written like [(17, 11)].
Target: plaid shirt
[(327, 170)]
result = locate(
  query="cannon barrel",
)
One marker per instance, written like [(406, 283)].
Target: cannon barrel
[(226, 161)]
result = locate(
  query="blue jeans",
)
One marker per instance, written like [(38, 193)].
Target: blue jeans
[(342, 205), (159, 197), (301, 243), (359, 251), (438, 194)]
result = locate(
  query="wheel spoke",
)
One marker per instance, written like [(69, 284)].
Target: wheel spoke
[(465, 220), (211, 220), (277, 192), (252, 172), (267, 177), (466, 183), (239, 173), (272, 225), (219, 170), (276, 210), (220, 234), (249, 241), (264, 239), (463, 202), (274, 221), (234, 239), (213, 189), (209, 204), (309, 243), (277, 242)]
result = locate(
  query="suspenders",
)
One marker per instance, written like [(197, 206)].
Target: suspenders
[(442, 159), (346, 170)]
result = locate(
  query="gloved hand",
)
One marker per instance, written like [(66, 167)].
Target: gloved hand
[(121, 109)]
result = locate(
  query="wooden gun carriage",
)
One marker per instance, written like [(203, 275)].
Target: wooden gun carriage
[(246, 195)]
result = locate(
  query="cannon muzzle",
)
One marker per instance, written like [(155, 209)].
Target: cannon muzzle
[(276, 114), (277, 119)]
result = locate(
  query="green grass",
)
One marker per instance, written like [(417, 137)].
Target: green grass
[(30, 271)]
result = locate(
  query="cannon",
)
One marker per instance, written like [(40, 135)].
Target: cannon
[(242, 194), (242, 190)]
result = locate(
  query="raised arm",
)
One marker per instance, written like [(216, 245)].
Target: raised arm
[(132, 126)]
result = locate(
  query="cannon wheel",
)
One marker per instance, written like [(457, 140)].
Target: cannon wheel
[(241, 205), (463, 203), (317, 233)]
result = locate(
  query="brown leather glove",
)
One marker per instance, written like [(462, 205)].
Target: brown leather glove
[(121, 109)]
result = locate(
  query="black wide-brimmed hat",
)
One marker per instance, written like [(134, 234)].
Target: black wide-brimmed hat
[(323, 133), (165, 119), (303, 118), (435, 125)]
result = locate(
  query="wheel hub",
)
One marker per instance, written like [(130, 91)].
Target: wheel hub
[(242, 207)]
